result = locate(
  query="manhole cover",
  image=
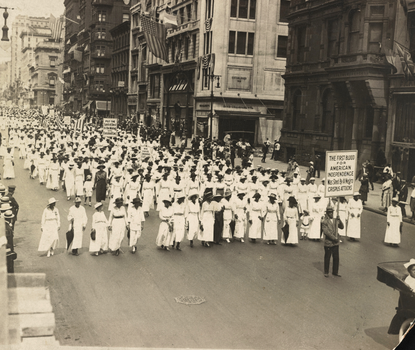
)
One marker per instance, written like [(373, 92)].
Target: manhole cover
[(190, 299)]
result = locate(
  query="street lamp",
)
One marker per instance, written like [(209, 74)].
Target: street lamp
[(5, 28), (212, 78)]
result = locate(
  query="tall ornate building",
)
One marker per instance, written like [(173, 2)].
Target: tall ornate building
[(341, 90), (239, 44), (88, 53)]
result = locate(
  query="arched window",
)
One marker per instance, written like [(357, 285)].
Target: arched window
[(296, 110), (327, 112), (354, 29)]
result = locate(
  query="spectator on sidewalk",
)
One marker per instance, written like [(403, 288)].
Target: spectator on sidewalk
[(396, 183), (403, 196), (364, 188), (310, 172), (370, 170), (276, 150), (386, 193), (317, 166), (265, 149)]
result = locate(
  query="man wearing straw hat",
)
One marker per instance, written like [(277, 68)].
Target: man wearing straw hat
[(331, 241)]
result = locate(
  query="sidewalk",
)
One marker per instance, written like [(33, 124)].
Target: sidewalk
[(373, 203)]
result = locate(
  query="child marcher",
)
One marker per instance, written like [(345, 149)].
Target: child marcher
[(306, 220), (88, 188)]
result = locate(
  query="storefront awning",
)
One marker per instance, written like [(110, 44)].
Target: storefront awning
[(87, 105), (103, 105), (237, 114)]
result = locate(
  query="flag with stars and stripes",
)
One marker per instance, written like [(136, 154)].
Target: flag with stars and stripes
[(155, 34)]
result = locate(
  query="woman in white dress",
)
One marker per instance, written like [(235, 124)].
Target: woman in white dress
[(52, 181), (317, 210), (99, 226), (147, 193), (291, 218), (256, 211), (207, 219), (394, 224), (272, 217), (166, 225), (8, 171), (117, 225), (50, 226), (354, 212)]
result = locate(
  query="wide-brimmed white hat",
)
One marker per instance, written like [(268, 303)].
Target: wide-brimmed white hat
[(410, 263), (52, 200)]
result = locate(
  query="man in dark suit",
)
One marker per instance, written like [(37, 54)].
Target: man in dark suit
[(403, 197), (331, 241)]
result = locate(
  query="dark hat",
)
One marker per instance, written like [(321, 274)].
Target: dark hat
[(329, 208), (118, 200), (12, 188), (136, 200)]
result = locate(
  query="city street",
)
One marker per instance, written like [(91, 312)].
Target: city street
[(257, 296)]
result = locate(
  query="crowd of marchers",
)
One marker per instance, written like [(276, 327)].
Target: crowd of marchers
[(197, 197)]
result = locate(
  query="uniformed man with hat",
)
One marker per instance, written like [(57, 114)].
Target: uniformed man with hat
[(13, 203)]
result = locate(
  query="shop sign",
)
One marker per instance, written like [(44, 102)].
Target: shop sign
[(239, 79)]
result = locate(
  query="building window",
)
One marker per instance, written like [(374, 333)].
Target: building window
[(100, 51), (296, 110), (99, 85), (232, 38), (284, 9), (101, 34), (194, 45), (354, 31), (186, 47), (375, 37), (327, 112), (135, 20), (125, 17), (52, 61), (301, 38), (241, 42), (332, 35), (100, 68), (52, 80), (282, 46), (243, 9), (209, 8), (102, 16), (155, 85)]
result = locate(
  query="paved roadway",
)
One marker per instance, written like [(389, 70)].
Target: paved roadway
[(257, 296)]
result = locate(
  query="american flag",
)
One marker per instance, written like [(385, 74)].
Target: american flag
[(56, 26), (205, 61), (208, 24), (155, 34), (79, 124)]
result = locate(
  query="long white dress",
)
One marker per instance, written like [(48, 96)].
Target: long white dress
[(291, 217), (192, 217), (148, 195), (8, 171), (100, 224), (271, 221), (118, 221), (50, 224), (207, 219), (239, 210), (227, 218), (80, 221), (256, 211), (316, 212), (164, 233), (394, 217), (354, 207), (178, 222)]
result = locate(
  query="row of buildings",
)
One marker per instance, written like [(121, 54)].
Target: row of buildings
[(318, 75)]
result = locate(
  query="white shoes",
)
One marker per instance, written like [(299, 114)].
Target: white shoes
[(242, 240), (48, 254)]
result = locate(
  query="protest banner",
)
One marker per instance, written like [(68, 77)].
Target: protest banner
[(341, 171), (109, 127)]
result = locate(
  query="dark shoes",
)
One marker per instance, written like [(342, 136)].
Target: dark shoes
[(326, 275), (336, 275)]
